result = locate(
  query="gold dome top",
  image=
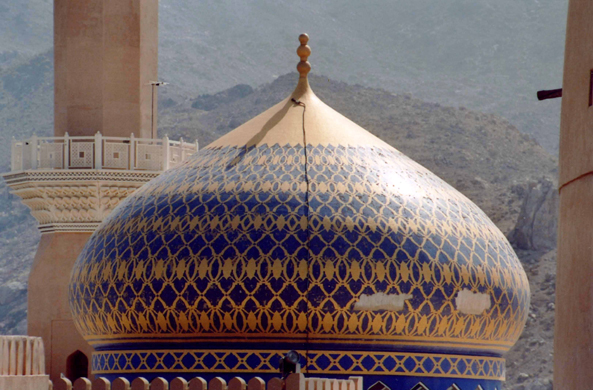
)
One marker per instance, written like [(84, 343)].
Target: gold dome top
[(304, 51), (285, 122)]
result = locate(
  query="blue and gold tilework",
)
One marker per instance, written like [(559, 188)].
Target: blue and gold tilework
[(345, 250), (235, 247), (319, 363)]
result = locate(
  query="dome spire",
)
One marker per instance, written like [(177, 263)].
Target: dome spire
[(304, 51)]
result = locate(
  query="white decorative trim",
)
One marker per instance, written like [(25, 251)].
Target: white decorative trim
[(62, 181), (69, 227), (21, 356), (95, 152), (74, 200), (78, 175)]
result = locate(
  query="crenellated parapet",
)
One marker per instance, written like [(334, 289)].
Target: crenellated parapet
[(292, 382), (71, 184), (22, 363)]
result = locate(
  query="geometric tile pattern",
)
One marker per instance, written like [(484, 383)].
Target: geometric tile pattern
[(318, 363), (236, 245)]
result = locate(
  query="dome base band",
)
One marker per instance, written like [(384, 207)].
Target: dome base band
[(140, 362)]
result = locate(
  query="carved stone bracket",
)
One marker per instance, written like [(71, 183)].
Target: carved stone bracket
[(74, 200)]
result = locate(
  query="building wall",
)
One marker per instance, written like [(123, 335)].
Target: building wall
[(574, 298), (48, 308)]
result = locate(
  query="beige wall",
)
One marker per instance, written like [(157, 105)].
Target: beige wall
[(573, 339), (105, 57), (48, 313), (576, 148), (37, 382)]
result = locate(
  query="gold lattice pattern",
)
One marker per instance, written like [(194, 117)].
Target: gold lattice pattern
[(317, 363), (237, 244)]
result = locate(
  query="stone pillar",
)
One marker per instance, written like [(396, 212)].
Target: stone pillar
[(48, 313), (106, 56), (573, 338)]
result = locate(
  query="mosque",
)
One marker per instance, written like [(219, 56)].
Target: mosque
[(344, 250), (299, 230)]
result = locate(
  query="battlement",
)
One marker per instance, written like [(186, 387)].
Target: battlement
[(22, 363), (292, 382)]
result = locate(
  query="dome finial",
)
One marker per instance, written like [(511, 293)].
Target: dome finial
[(304, 51)]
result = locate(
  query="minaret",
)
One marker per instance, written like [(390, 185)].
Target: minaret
[(573, 337), (105, 61), (104, 148)]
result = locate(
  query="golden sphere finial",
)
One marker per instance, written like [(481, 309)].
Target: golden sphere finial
[(304, 51)]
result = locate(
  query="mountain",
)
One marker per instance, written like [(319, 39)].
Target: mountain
[(490, 56), (25, 29), (26, 108)]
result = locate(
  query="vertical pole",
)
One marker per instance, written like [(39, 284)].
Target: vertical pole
[(152, 132), (36, 355), (41, 357), (181, 150), (132, 152), (165, 164), (98, 151), (4, 356), (66, 151), (12, 358), (33, 146), (20, 355), (13, 164)]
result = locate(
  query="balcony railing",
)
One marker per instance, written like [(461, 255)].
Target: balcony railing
[(99, 152)]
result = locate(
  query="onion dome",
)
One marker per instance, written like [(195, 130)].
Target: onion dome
[(300, 230)]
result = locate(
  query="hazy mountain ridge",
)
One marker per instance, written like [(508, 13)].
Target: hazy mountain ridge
[(26, 102), (491, 56), (26, 108), (487, 55)]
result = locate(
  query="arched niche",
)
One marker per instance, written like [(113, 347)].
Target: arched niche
[(77, 366)]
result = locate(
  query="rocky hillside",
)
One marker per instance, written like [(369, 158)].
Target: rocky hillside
[(26, 106), (490, 56)]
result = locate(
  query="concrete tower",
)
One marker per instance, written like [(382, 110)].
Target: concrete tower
[(106, 56), (104, 148), (573, 339)]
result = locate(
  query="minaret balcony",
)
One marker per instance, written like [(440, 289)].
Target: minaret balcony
[(99, 152), (72, 183)]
